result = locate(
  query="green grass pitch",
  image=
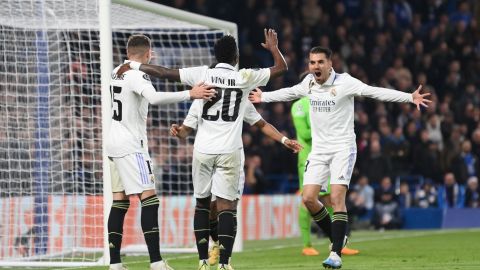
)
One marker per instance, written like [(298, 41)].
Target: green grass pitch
[(429, 249)]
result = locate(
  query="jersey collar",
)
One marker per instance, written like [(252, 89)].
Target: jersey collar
[(225, 66), (331, 78)]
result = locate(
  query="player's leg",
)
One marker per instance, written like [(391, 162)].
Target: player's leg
[(225, 188), (226, 229), (116, 218), (341, 167), (325, 198), (304, 218), (315, 180), (214, 251), (202, 171), (137, 177)]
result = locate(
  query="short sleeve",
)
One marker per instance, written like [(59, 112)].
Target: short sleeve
[(255, 77), (193, 75), (194, 114), (251, 114), (139, 82)]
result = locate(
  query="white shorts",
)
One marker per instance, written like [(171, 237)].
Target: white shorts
[(337, 166), (241, 183), (227, 169), (132, 173)]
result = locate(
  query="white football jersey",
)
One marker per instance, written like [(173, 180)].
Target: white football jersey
[(332, 107), (194, 115), (128, 128), (220, 128)]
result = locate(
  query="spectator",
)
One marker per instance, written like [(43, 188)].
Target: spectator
[(387, 214), (426, 196), (375, 166), (386, 186), (405, 197), (472, 195), (255, 181), (465, 164), (451, 194), (365, 192)]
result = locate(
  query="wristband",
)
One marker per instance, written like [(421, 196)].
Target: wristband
[(284, 139), (135, 65)]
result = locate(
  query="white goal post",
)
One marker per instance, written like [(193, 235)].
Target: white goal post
[(55, 192)]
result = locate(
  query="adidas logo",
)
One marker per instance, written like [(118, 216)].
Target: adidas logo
[(111, 245), (221, 247), (203, 241), (341, 178)]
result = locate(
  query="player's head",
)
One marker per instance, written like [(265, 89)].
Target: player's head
[(320, 63), (139, 48), (226, 50)]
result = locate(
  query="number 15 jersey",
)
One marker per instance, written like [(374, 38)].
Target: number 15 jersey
[(128, 129), (221, 121)]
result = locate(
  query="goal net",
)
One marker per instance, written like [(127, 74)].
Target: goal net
[(51, 160)]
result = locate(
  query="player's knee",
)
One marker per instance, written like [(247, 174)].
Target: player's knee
[(203, 203), (309, 201), (338, 204)]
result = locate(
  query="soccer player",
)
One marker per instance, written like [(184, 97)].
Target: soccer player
[(331, 96), (126, 147), (253, 118), (218, 142), (301, 120)]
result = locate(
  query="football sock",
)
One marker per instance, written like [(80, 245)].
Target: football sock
[(339, 228), (149, 220), (115, 228), (322, 218), (214, 229), (226, 237), (234, 225), (201, 227)]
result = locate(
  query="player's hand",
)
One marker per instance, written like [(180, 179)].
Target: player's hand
[(123, 68), (174, 130), (293, 145), (420, 99), (202, 91), (271, 40), (255, 96)]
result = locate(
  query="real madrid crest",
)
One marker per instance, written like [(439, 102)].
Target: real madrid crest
[(333, 92)]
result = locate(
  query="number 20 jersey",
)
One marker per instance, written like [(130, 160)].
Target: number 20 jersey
[(221, 120), (128, 131)]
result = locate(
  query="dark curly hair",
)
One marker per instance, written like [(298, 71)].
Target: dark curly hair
[(226, 50)]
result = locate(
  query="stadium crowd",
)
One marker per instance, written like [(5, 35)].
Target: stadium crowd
[(406, 157)]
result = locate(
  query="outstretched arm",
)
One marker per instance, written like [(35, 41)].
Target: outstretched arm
[(386, 94), (273, 133), (284, 94), (152, 70), (160, 72), (199, 91), (271, 44)]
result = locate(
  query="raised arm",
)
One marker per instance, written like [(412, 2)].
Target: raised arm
[(271, 44), (273, 133)]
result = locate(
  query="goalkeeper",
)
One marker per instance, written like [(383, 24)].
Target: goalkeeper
[(301, 120)]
